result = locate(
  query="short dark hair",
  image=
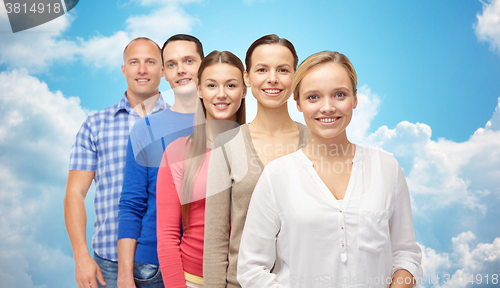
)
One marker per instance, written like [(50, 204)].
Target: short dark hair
[(271, 39), (184, 37), (139, 38)]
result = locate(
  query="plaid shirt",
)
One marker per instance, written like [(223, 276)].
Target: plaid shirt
[(101, 146)]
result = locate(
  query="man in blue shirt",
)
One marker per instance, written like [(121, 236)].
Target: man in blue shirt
[(137, 242), (99, 154)]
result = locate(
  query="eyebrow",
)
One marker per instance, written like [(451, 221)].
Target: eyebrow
[(279, 66), (183, 58), (148, 58), (319, 92), (311, 92), (229, 80)]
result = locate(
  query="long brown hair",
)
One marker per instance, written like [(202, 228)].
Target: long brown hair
[(194, 159)]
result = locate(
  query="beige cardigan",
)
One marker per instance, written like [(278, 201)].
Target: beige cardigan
[(233, 171)]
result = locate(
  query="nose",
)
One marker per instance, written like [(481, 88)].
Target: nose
[(273, 79), (327, 106), (221, 93), (142, 68), (181, 69)]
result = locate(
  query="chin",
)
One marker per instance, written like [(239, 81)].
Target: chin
[(184, 89)]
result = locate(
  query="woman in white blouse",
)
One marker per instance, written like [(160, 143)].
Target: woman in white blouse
[(332, 214)]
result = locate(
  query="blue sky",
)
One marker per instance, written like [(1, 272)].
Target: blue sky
[(429, 91)]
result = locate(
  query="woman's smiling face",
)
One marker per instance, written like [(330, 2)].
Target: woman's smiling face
[(271, 74), (327, 100), (222, 89)]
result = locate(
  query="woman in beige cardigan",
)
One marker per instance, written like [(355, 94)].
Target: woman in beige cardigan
[(241, 154)]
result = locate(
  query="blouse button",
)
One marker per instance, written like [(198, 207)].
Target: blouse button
[(340, 211), (342, 227)]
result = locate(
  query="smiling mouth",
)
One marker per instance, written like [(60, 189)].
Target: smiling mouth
[(328, 120), (272, 92), (221, 106), (142, 80), (183, 81)]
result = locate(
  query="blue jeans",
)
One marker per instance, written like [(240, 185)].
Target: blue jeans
[(147, 276), (109, 270)]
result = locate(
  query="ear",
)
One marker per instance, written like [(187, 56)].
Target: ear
[(123, 70), (298, 106), (162, 71), (355, 99), (246, 79), (199, 93), (244, 93)]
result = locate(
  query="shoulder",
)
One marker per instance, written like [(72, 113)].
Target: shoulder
[(386, 160), (96, 118), (280, 166), (304, 134)]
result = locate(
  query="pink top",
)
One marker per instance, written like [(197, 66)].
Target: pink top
[(188, 256)]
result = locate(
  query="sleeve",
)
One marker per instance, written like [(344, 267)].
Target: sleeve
[(134, 197), (84, 151), (168, 209), (257, 253), (406, 254), (217, 218)]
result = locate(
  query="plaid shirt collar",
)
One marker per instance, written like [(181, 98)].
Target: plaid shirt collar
[(124, 105)]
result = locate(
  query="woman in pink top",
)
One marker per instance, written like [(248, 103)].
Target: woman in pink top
[(181, 184)]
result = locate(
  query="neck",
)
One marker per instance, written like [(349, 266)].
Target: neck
[(338, 147), (216, 127), (273, 121), (142, 105), (185, 100)]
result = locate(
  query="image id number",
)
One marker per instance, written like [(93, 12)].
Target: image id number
[(34, 8)]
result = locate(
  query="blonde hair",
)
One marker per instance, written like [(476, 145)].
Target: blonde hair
[(318, 59), (199, 137)]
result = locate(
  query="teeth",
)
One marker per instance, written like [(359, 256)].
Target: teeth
[(327, 120), (272, 91), (221, 105), (183, 80), (142, 80)]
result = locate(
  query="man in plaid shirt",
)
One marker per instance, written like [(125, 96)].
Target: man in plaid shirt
[(99, 154)]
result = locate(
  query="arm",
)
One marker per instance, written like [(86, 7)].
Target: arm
[(401, 278), (126, 253), (86, 269), (168, 210), (257, 254), (406, 253), (132, 207), (217, 218)]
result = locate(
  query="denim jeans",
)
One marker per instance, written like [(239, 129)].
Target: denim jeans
[(147, 276), (109, 270)]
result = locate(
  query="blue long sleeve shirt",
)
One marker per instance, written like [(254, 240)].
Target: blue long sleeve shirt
[(137, 214)]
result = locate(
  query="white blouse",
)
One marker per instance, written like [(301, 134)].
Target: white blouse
[(297, 234)]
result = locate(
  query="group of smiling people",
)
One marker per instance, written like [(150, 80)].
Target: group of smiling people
[(273, 202)]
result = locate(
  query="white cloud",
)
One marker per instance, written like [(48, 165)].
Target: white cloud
[(455, 269), (160, 24), (104, 52), (37, 128), (39, 47), (367, 109), (444, 172), (487, 27)]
